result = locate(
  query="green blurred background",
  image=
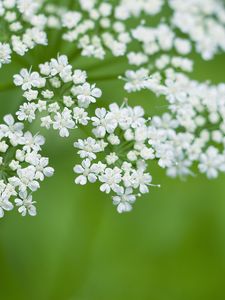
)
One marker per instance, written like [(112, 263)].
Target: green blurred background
[(170, 247)]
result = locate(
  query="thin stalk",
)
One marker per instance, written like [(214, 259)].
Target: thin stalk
[(105, 78)]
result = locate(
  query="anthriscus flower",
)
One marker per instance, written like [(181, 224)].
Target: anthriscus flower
[(22, 27), (57, 91), (151, 43), (116, 155), (22, 167)]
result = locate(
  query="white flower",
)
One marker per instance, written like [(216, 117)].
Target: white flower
[(80, 116), (60, 66), (27, 79), (111, 158), (26, 179), (103, 122), (137, 58), (71, 19), (113, 139), (182, 46), (46, 122), (136, 80), (41, 165), (5, 54), (141, 180), (47, 94), (27, 112), (68, 101), (3, 146), (45, 69), (136, 114), (124, 200), (63, 122), (79, 76), (211, 162), (111, 179), (33, 142), (12, 129), (27, 7), (88, 148), (31, 95), (87, 172), (25, 204), (86, 94), (5, 205)]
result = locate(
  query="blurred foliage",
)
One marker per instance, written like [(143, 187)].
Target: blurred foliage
[(170, 247)]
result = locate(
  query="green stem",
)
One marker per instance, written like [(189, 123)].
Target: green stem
[(104, 78)]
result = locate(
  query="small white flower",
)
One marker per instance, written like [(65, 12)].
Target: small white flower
[(80, 116), (27, 112), (88, 148), (211, 162), (86, 94), (63, 122), (103, 122), (141, 180), (110, 179), (124, 200), (79, 76), (5, 54), (136, 80), (25, 204), (87, 172), (27, 79), (60, 66), (31, 95), (111, 158), (5, 205)]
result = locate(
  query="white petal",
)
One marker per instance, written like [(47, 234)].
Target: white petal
[(82, 180)]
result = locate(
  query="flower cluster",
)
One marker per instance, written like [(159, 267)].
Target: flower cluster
[(190, 135), (95, 30), (22, 27), (59, 93), (139, 79), (117, 154), (128, 8), (200, 22), (157, 48), (22, 167), (203, 22), (97, 27), (194, 129)]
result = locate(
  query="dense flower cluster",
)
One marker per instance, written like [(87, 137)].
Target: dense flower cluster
[(156, 39), (194, 130), (96, 27), (22, 167), (117, 154), (95, 30), (203, 21), (57, 91), (22, 27)]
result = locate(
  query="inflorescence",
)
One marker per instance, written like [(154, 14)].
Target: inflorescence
[(62, 95), (121, 141), (22, 167)]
